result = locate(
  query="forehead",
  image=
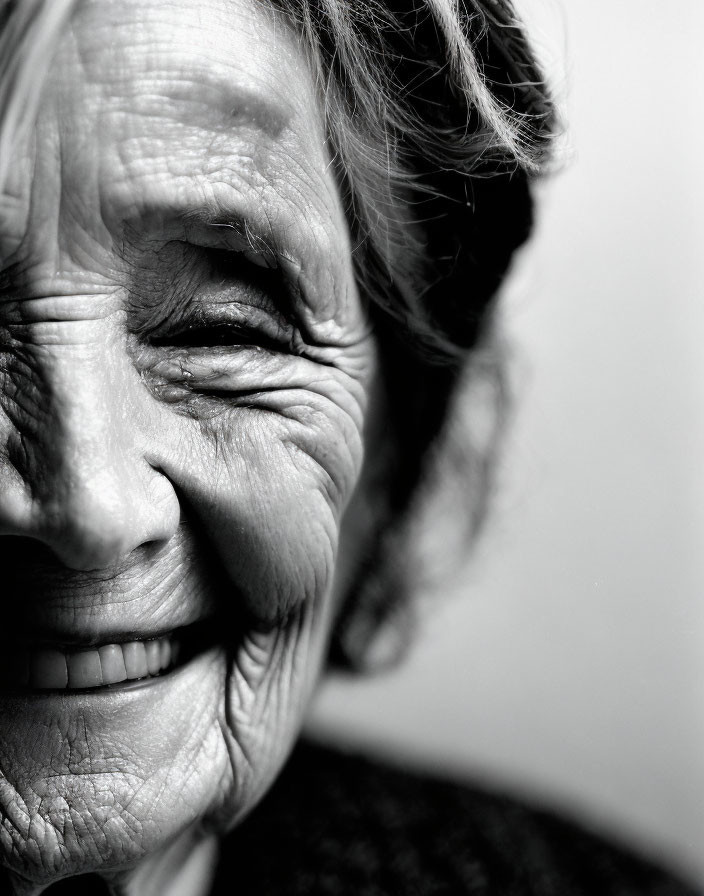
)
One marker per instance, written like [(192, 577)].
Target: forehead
[(153, 109), (209, 61)]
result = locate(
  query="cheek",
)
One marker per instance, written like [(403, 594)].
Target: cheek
[(267, 488)]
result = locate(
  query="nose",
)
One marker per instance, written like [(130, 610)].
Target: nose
[(76, 475)]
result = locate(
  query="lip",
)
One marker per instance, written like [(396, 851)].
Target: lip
[(155, 591), (30, 665)]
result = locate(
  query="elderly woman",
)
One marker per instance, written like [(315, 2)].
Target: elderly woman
[(246, 249)]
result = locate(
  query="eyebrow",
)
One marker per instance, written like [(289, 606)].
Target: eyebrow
[(244, 106), (206, 225), (216, 102), (229, 232)]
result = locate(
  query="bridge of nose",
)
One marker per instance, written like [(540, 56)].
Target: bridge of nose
[(81, 438), (79, 390), (85, 424)]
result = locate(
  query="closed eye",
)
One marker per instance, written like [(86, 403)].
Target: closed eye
[(219, 334)]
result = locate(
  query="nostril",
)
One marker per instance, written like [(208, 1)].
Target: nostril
[(96, 528), (93, 522)]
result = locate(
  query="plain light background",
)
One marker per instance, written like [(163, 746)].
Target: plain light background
[(567, 660)]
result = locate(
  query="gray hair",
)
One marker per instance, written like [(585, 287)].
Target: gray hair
[(28, 34), (440, 120)]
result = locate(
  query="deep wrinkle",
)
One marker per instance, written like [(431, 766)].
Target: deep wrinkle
[(132, 511)]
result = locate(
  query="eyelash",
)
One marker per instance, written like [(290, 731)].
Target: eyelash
[(217, 335), (226, 266)]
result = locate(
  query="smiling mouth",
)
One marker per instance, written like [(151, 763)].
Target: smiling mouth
[(49, 667)]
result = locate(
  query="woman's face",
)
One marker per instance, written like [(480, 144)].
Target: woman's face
[(184, 377)]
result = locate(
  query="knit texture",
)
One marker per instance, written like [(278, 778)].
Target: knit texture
[(337, 824)]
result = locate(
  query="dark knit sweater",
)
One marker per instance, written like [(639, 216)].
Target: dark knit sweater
[(342, 825)]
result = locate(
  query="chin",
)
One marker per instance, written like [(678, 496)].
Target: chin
[(105, 779)]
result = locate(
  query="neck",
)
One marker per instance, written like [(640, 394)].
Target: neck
[(186, 867)]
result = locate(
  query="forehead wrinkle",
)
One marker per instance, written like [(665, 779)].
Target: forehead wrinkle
[(150, 57), (209, 103), (168, 106), (198, 150)]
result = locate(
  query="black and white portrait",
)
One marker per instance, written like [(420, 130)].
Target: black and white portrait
[(350, 425)]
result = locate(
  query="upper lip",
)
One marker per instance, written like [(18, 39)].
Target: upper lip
[(154, 594), (193, 636), (71, 640)]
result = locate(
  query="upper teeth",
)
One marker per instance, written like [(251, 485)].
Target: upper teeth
[(51, 668)]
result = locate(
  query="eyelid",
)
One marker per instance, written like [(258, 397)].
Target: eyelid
[(207, 336), (248, 322), (273, 326), (236, 236)]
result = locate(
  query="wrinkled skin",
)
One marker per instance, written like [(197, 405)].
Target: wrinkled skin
[(181, 429)]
